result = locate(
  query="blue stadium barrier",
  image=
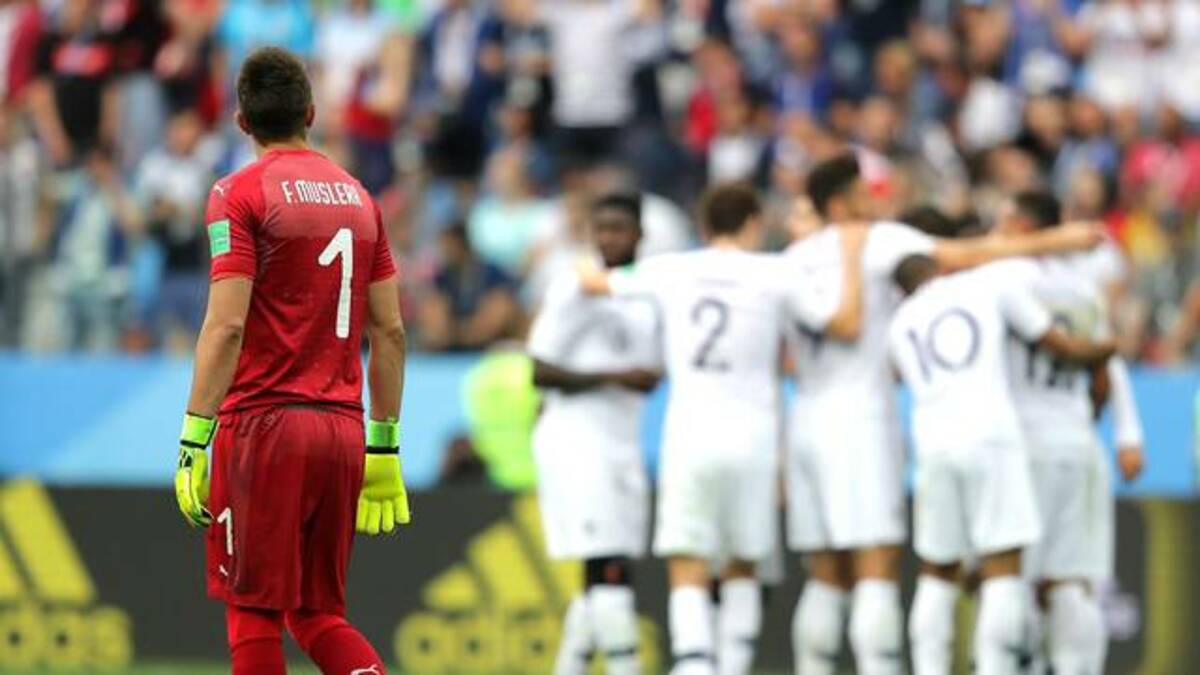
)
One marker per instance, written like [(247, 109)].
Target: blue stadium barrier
[(87, 420)]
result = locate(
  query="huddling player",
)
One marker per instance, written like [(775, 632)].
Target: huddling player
[(596, 357)]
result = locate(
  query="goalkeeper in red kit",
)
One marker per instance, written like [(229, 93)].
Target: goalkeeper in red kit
[(301, 270)]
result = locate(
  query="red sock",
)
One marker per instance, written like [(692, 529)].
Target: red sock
[(335, 645), (255, 641)]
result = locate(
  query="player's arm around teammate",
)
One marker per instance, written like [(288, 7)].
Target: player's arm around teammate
[(549, 376), (846, 322), (958, 254)]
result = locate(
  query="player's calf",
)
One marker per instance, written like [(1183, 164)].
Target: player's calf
[(575, 648), (690, 615), (1000, 647), (739, 618), (876, 623), (255, 641), (931, 619), (613, 617), (1075, 628), (817, 627), (333, 644), (821, 611)]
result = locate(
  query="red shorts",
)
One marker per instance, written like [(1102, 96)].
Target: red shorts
[(285, 485)]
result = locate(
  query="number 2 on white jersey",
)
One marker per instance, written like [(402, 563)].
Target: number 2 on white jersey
[(342, 245), (712, 315)]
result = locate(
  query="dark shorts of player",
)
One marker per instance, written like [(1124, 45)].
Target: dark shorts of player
[(285, 485)]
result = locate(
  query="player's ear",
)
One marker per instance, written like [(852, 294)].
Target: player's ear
[(310, 116), (241, 122)]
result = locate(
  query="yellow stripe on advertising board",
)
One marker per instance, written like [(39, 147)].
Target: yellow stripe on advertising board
[(40, 540), (1171, 600), (510, 578), (11, 585)]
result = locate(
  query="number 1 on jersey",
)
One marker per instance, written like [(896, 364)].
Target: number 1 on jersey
[(342, 245)]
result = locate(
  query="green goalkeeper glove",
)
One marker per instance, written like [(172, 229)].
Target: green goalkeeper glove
[(383, 502), (191, 475)]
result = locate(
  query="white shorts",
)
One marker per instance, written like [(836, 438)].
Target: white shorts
[(717, 506), (973, 501), (1104, 521), (1070, 500), (844, 493), (594, 501)]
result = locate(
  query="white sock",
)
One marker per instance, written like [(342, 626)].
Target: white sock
[(739, 620), (575, 649), (1000, 631), (693, 644), (1100, 655), (1076, 626), (614, 627), (817, 628), (876, 627), (931, 625), (1035, 634)]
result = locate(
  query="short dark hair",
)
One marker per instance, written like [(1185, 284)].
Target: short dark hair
[(931, 221), (830, 179), (726, 208), (913, 271), (274, 95), (629, 202), (1041, 207)]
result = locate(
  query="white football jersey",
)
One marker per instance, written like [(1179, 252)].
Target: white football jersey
[(592, 335), (1052, 397), (835, 376), (724, 313), (949, 341)]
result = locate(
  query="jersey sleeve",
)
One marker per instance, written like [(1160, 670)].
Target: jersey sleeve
[(1127, 423), (234, 210), (891, 243), (546, 334), (1106, 265), (1027, 317), (383, 266)]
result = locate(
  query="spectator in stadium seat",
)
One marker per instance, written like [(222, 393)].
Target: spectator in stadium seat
[(141, 29), (172, 187), (22, 239), (461, 77), (592, 69), (20, 32), (377, 101), (472, 303), (349, 38), (736, 152), (96, 218), (802, 83), (527, 53), (72, 102), (503, 222), (188, 61)]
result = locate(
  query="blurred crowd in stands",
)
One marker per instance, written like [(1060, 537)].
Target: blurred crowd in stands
[(485, 127)]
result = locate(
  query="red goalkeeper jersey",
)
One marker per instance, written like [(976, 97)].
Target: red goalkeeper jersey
[(311, 239)]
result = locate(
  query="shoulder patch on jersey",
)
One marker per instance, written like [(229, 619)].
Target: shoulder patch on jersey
[(218, 237)]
